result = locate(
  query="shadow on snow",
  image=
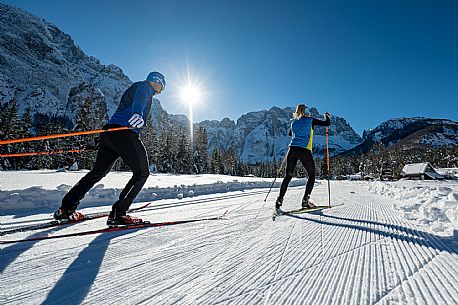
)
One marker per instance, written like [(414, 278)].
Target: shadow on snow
[(74, 285), (406, 234)]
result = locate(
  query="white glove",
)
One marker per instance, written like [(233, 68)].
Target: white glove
[(136, 121)]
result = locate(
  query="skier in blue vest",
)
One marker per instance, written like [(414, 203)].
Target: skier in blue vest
[(300, 149), (132, 111)]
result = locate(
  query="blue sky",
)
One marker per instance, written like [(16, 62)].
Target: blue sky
[(366, 61)]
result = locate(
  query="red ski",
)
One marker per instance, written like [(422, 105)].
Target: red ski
[(55, 223), (145, 224)]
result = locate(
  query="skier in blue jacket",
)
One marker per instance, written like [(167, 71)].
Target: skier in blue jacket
[(300, 149), (132, 111)]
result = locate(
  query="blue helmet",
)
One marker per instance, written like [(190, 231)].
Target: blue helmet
[(157, 78)]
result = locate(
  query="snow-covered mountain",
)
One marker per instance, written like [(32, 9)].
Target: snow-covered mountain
[(42, 68), (260, 136), (412, 132)]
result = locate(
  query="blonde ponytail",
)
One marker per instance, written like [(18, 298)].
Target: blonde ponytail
[(300, 111)]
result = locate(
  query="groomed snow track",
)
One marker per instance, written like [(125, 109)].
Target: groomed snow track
[(362, 252)]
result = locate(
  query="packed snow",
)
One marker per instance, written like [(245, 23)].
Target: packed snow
[(374, 246), (26, 191)]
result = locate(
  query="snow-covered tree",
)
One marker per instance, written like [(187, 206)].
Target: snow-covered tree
[(200, 154)]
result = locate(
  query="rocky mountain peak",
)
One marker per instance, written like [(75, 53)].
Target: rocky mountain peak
[(261, 136), (40, 65), (409, 132)]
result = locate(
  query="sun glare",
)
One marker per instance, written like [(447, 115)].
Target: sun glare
[(190, 94), (190, 91)]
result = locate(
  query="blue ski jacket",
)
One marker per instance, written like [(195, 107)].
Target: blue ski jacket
[(302, 131), (136, 99)]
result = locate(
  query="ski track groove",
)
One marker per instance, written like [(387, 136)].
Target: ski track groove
[(416, 261), (167, 262), (371, 241), (361, 245), (237, 296), (218, 255), (279, 262), (160, 206), (355, 254), (447, 293), (226, 279), (143, 232)]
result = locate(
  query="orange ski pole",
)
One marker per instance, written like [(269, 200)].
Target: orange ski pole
[(62, 135), (329, 165), (42, 153)]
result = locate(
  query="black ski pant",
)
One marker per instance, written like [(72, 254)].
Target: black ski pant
[(305, 156), (124, 144)]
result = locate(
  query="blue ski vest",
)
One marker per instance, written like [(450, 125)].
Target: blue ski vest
[(302, 133)]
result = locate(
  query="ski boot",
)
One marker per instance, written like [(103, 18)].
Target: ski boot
[(307, 203), (65, 215), (120, 219)]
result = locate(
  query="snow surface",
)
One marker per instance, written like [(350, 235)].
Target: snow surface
[(434, 205), (23, 192), (363, 251)]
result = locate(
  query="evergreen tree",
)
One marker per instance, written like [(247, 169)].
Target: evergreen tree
[(200, 155), (215, 161), (12, 127), (25, 133), (86, 119), (55, 125), (165, 157), (151, 143), (183, 156)]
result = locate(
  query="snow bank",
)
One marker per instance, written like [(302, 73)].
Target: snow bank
[(434, 205), (19, 190)]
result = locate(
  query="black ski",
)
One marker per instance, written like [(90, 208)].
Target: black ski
[(55, 223), (145, 224)]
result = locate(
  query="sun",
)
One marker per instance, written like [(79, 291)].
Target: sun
[(190, 94)]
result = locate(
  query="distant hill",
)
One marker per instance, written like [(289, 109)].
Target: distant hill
[(409, 132)]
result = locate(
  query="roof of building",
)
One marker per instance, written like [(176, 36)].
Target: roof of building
[(419, 169)]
